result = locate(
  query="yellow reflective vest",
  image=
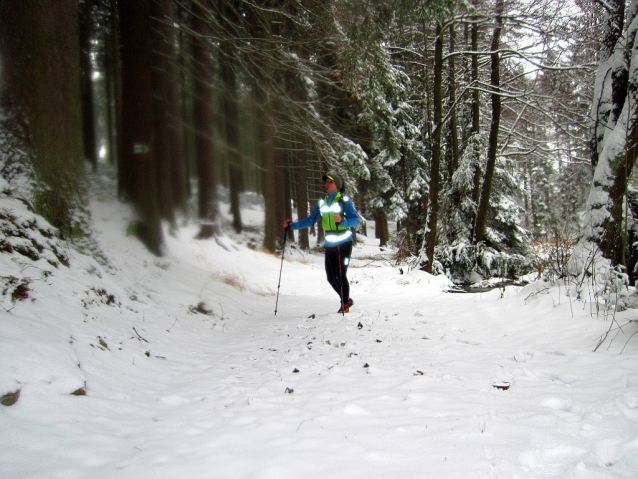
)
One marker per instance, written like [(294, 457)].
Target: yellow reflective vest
[(335, 233)]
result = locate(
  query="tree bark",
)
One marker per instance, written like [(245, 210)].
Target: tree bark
[(453, 158), (40, 43), (227, 64), (88, 113), (177, 169), (603, 225), (382, 232), (437, 100), (113, 85), (137, 167), (161, 59), (604, 116), (486, 191), (476, 101), (203, 118), (301, 188), (261, 32)]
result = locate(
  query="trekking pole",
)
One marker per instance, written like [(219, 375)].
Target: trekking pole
[(283, 251), (343, 306)]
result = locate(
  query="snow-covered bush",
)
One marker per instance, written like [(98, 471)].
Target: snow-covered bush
[(593, 274), (464, 263)]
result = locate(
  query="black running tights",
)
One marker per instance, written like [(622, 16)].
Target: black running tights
[(337, 276)]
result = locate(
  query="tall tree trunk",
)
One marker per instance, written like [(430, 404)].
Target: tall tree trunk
[(178, 169), (184, 119), (433, 214), (167, 145), (605, 210), (261, 28), (137, 167), (88, 113), (453, 156), (114, 73), (476, 101), (300, 162), (227, 64), (382, 231), (203, 120), (40, 43), (486, 191), (112, 80), (265, 132), (613, 242), (162, 56), (605, 112)]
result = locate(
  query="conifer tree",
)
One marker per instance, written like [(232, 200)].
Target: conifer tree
[(41, 106)]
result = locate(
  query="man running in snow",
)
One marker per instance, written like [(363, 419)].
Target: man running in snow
[(338, 218)]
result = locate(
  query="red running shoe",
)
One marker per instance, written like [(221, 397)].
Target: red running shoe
[(346, 307)]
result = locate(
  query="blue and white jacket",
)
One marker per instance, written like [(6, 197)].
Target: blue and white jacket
[(324, 210)]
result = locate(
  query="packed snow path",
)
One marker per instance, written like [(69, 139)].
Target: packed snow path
[(190, 374)]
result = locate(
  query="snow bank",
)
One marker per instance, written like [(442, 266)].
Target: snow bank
[(177, 367)]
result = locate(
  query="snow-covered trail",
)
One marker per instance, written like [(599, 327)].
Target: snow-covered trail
[(426, 402), (410, 393), (403, 386)]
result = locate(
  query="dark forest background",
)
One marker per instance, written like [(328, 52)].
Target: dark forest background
[(472, 125)]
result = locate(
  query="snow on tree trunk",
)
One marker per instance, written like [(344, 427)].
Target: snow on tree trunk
[(610, 84), (616, 143)]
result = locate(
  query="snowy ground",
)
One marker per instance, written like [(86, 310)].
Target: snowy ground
[(188, 372)]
